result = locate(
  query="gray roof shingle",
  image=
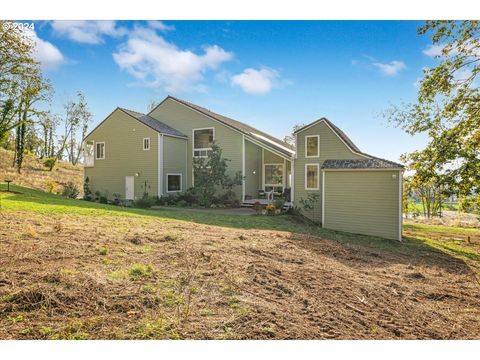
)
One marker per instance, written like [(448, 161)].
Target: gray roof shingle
[(372, 163), (154, 123)]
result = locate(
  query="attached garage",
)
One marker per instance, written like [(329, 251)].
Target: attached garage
[(363, 197)]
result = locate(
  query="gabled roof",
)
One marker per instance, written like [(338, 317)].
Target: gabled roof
[(256, 134), (372, 163), (336, 129), (154, 123)]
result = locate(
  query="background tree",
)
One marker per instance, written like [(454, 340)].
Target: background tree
[(290, 139), (447, 110)]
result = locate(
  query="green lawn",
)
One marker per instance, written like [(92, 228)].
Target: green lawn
[(417, 238)]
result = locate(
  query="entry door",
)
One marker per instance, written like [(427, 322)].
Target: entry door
[(129, 187)]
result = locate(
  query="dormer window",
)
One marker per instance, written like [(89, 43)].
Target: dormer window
[(312, 146)]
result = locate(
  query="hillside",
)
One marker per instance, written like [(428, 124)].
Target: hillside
[(35, 175), (73, 269)]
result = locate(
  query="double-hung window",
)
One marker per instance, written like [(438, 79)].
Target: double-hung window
[(100, 150), (312, 180)]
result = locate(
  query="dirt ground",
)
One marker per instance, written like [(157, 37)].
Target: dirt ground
[(61, 278)]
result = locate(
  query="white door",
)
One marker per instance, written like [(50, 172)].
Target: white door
[(129, 187)]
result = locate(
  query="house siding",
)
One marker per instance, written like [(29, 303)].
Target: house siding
[(124, 156), (185, 119), (331, 147), (174, 157), (364, 202)]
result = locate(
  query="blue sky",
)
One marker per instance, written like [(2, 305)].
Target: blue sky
[(270, 74)]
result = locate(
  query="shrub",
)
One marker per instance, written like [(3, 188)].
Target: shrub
[(51, 186), (190, 196), (50, 163), (145, 202), (70, 190), (117, 199), (229, 198), (279, 202), (182, 203), (87, 193), (102, 199), (271, 209)]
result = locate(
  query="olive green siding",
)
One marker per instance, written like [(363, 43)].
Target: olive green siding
[(271, 158), (363, 202), (174, 160), (331, 147), (253, 163), (124, 156), (185, 119)]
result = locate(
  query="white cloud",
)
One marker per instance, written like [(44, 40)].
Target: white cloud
[(433, 50), (158, 63), (256, 82), (160, 25), (392, 68), (49, 56), (86, 31)]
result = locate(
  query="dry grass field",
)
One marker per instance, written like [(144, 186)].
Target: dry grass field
[(35, 175), (77, 270)]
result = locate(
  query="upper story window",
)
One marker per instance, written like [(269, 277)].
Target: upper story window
[(203, 141), (312, 146), (146, 143), (100, 150)]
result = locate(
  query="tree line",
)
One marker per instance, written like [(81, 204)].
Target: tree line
[(27, 125)]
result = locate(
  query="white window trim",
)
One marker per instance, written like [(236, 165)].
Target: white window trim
[(318, 146), (143, 144), (283, 176), (318, 176), (96, 152), (181, 182), (201, 149)]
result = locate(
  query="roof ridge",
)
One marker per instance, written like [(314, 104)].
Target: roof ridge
[(219, 117), (125, 109)]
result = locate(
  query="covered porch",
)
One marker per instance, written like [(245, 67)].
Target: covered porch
[(268, 174)]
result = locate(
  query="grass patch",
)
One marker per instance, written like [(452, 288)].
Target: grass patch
[(138, 271)]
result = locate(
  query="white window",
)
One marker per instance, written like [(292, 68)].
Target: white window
[(312, 146), (273, 175), (203, 141), (311, 176), (174, 182), (100, 150), (146, 143)]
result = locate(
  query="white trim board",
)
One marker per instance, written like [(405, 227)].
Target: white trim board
[(160, 165), (323, 198)]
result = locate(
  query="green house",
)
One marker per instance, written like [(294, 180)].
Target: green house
[(130, 153)]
